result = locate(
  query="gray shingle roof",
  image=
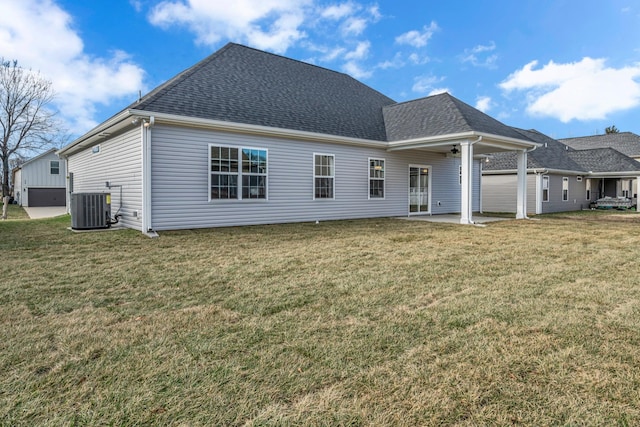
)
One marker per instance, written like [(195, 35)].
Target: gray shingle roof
[(625, 142), (604, 160), (556, 155), (244, 85), (550, 155), (440, 115)]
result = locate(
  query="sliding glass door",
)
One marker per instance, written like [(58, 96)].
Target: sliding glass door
[(419, 189)]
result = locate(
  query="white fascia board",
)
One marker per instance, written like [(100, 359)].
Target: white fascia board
[(497, 141), (172, 119), (512, 171), (621, 174), (96, 134), (39, 156)]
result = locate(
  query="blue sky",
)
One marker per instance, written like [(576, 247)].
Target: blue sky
[(567, 68)]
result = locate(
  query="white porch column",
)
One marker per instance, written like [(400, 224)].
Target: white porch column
[(466, 190), (521, 203)]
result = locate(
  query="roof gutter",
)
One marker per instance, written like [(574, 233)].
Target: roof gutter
[(97, 134), (220, 125), (497, 141)]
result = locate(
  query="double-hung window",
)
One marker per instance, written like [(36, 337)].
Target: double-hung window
[(565, 189), (376, 178), (545, 188), (237, 173), (323, 176), (54, 167)]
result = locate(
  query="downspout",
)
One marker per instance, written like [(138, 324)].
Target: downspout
[(147, 224)]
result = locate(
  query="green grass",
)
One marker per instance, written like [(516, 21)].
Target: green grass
[(374, 322), (15, 212)]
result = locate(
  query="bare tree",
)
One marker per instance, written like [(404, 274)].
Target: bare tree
[(25, 121)]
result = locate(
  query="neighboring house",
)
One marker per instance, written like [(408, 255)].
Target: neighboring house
[(249, 137), (41, 181), (559, 178), (627, 143)]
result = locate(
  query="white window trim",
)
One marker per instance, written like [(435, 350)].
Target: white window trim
[(333, 176), (546, 178), (565, 179), (384, 179), (239, 199), (51, 167)]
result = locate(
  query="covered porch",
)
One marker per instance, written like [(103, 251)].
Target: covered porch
[(471, 147)]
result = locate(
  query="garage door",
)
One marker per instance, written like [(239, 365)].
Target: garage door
[(46, 197)]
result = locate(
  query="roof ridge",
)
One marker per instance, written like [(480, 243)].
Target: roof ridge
[(155, 92), (408, 101)]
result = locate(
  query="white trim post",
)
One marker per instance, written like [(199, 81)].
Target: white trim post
[(466, 190), (521, 199), (637, 191)]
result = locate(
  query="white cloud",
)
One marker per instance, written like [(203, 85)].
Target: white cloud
[(418, 38), (80, 81), (427, 84), (360, 52), (356, 70), (585, 90), (478, 56), (339, 11), (266, 24), (484, 103), (418, 60), (396, 62), (438, 91), (355, 26)]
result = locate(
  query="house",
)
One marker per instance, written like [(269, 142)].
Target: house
[(248, 137), (559, 178), (41, 181), (628, 143)]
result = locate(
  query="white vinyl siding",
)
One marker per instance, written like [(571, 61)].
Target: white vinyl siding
[(37, 174), (118, 161), (180, 181), (499, 193)]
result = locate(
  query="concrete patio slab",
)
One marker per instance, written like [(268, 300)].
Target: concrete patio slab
[(455, 219), (45, 212)]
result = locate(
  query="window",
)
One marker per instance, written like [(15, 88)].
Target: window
[(254, 173), (323, 176), (625, 187), (588, 188), (376, 178), (545, 188), (54, 167), (237, 173), (565, 189)]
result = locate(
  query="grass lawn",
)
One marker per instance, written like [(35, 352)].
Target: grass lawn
[(15, 212), (373, 322)]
